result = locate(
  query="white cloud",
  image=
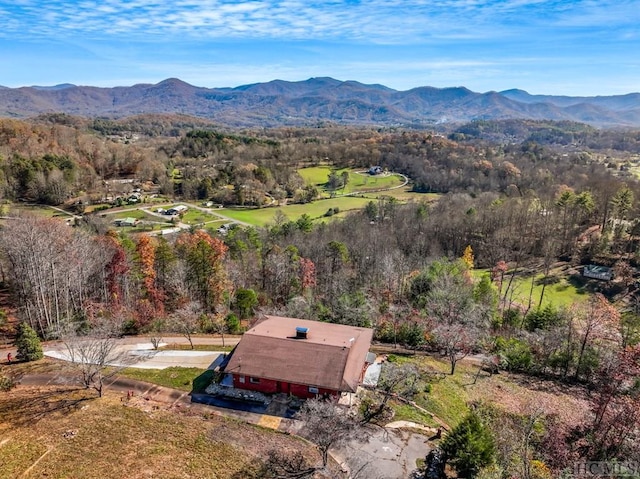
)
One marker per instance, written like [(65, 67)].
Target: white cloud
[(389, 21)]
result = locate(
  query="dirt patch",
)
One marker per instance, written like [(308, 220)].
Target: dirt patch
[(525, 394)]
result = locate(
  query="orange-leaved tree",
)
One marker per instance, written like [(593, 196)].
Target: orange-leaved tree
[(203, 257)]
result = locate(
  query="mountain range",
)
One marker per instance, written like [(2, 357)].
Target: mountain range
[(315, 100)]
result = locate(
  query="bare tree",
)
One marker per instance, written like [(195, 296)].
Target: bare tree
[(96, 357), (185, 320), (286, 465), (327, 425), (456, 341), (155, 333), (53, 269)]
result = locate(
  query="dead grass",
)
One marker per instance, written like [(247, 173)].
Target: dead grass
[(449, 397), (59, 432), (522, 394)]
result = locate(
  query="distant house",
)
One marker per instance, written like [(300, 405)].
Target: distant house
[(134, 198), (375, 170), (597, 272), (225, 228), (300, 357), (176, 210), (127, 222)]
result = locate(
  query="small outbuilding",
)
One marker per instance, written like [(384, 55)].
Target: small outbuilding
[(300, 357), (597, 272), (176, 210), (127, 222)]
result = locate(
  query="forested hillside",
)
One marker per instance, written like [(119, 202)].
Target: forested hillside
[(520, 209)]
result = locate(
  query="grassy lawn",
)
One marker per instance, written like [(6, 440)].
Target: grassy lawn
[(193, 216), (315, 175), (133, 213), (447, 398), (404, 195), (316, 209), (450, 397), (174, 377), (559, 292), (359, 180), (38, 210)]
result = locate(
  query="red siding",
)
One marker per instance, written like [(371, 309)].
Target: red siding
[(264, 386), (269, 386), (302, 391)]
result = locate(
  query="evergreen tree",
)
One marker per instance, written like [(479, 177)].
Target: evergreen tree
[(28, 344), (469, 447)]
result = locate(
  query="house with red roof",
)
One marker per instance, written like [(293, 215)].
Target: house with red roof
[(300, 357)]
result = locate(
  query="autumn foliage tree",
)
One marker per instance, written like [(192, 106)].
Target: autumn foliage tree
[(146, 255), (116, 269), (203, 256)]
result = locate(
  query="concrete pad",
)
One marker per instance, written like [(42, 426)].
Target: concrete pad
[(386, 453), (151, 359), (185, 359)]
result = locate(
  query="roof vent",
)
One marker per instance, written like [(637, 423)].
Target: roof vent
[(301, 333)]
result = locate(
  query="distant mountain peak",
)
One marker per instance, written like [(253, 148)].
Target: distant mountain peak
[(61, 86), (514, 91), (174, 82)]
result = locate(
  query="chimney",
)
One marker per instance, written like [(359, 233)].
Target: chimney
[(301, 333)]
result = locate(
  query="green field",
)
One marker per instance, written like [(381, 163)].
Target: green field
[(133, 213), (316, 209), (359, 180), (193, 216), (559, 292), (404, 195), (38, 210)]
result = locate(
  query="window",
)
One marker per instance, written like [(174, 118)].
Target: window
[(241, 379), (313, 390), (254, 380)]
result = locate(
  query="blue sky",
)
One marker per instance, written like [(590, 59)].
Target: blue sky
[(546, 47)]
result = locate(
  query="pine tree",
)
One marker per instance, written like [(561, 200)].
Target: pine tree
[(469, 447), (27, 344)]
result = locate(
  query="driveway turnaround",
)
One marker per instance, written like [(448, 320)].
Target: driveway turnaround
[(142, 355)]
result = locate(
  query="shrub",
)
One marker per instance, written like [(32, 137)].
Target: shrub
[(543, 318), (130, 327), (511, 318), (469, 447), (28, 344), (6, 383), (515, 354), (233, 324)]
